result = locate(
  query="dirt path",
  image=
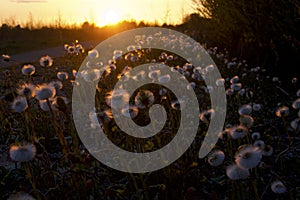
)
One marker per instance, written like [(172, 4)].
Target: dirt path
[(53, 52)]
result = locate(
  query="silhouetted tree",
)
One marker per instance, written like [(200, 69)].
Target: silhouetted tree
[(263, 29)]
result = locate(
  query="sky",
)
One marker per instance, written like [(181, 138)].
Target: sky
[(101, 12)]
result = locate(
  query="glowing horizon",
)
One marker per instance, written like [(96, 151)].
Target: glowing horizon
[(100, 12)]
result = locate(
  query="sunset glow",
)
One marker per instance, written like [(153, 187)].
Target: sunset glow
[(101, 12), (111, 17)]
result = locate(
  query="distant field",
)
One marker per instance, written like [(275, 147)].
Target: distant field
[(15, 40)]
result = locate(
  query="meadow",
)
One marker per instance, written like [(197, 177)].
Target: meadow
[(256, 156)]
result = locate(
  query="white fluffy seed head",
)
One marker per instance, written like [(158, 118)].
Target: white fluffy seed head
[(21, 196), (144, 99), (22, 153), (235, 173), (245, 109), (27, 90), (216, 158), (62, 76), (45, 91), (28, 70), (19, 104), (248, 157), (237, 132), (283, 111), (46, 61), (117, 99), (278, 187), (296, 104), (93, 54)]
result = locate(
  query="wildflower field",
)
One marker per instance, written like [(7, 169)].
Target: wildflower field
[(257, 155)]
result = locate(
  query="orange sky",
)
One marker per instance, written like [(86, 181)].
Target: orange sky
[(102, 12)]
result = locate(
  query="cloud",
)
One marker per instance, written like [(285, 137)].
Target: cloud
[(29, 1)]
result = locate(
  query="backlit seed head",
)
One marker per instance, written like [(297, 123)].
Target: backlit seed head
[(235, 173), (22, 153), (62, 76), (19, 104), (46, 61), (283, 111), (216, 158), (278, 187), (28, 70), (248, 157), (45, 91)]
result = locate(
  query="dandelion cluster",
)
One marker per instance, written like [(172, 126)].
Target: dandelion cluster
[(257, 150)]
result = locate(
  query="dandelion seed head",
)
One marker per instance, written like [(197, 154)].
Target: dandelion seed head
[(163, 91), (164, 79), (237, 132), (245, 109), (27, 90), (131, 48), (28, 70), (117, 54), (79, 48), (187, 66), (19, 104), (46, 61), (283, 111), (234, 80), (45, 91), (216, 158), (130, 112), (21, 196), (229, 92), (278, 187), (44, 105), (62, 76), (256, 106), (235, 173), (210, 68), (176, 105), (298, 93), (154, 75), (259, 143), (191, 86), (295, 124), (140, 76), (71, 49), (144, 99), (134, 58), (246, 120), (236, 86), (255, 136), (22, 153), (220, 82), (5, 57), (248, 157), (242, 92), (294, 80), (207, 115), (90, 75), (296, 104), (56, 84), (169, 58), (267, 150), (117, 99)]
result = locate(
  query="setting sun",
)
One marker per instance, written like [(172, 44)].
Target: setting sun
[(111, 17)]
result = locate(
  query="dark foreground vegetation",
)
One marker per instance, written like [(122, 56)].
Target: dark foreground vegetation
[(255, 45)]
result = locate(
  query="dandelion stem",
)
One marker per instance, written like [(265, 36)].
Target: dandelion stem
[(29, 175), (58, 130)]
